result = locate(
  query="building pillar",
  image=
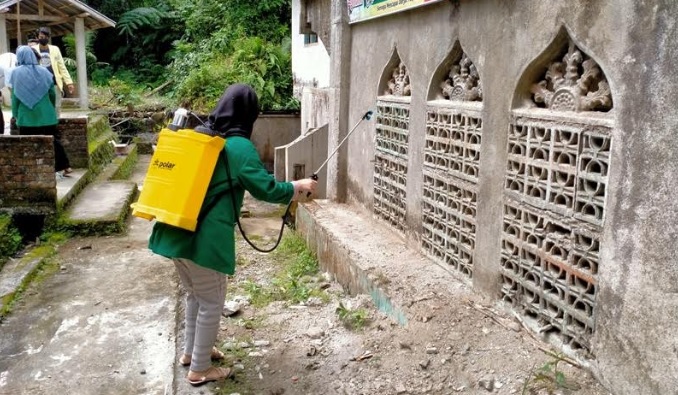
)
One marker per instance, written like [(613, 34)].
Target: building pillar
[(81, 60), (4, 40), (339, 95)]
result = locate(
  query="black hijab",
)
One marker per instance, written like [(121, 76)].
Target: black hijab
[(235, 112)]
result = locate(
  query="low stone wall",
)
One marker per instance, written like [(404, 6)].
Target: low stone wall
[(73, 133), (27, 181)]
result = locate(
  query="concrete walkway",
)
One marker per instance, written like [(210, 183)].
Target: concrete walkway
[(103, 324)]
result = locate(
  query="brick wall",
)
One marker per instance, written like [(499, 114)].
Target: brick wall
[(74, 139), (27, 180)]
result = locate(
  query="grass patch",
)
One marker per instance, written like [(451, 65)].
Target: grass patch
[(296, 280), (239, 382), (354, 319), (45, 269)]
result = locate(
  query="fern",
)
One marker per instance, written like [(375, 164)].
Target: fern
[(137, 18)]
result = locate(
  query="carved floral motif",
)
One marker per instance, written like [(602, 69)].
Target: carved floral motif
[(463, 82), (575, 84), (399, 84)]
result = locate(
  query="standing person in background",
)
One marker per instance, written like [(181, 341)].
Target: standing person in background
[(205, 257), (51, 59), (33, 100), (7, 63)]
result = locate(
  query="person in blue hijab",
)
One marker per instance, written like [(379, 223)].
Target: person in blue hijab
[(33, 103)]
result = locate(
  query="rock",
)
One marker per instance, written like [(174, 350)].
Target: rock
[(231, 308), (400, 389), (487, 384), (262, 343), (431, 350), (405, 346), (315, 333), (256, 354), (314, 301), (425, 364)]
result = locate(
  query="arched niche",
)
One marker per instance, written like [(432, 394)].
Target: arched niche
[(395, 78), (392, 143), (452, 162), (564, 78), (456, 78)]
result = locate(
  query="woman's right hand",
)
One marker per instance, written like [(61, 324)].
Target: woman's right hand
[(304, 186)]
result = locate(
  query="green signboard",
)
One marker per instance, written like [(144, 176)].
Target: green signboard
[(361, 10)]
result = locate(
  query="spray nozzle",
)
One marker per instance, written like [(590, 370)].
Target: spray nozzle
[(368, 115), (180, 119)]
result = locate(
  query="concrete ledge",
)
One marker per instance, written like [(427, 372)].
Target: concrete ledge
[(121, 166), (14, 275), (367, 257), (101, 209), (69, 187)]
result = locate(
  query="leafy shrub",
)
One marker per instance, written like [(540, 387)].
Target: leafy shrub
[(264, 66)]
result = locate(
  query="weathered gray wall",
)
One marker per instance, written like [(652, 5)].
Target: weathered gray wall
[(273, 130), (635, 44), (315, 107)]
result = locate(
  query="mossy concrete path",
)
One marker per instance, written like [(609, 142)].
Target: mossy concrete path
[(103, 322)]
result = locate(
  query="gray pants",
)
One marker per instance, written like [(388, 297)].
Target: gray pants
[(204, 303)]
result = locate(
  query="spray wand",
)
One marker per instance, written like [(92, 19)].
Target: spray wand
[(367, 116), (288, 217)]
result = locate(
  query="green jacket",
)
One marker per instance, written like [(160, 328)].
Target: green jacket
[(43, 114), (212, 245)]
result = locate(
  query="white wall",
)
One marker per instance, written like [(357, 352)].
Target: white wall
[(310, 61)]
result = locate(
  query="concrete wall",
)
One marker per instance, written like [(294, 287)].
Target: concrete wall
[(302, 157), (27, 181), (273, 130), (632, 345)]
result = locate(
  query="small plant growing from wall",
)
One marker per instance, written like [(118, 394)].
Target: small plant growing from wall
[(549, 379)]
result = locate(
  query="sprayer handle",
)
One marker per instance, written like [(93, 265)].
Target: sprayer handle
[(314, 177)]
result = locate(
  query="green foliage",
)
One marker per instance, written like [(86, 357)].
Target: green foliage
[(264, 66), (90, 57), (207, 44), (131, 21), (10, 238), (352, 318), (124, 93)]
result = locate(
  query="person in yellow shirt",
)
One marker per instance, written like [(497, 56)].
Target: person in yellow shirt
[(51, 59)]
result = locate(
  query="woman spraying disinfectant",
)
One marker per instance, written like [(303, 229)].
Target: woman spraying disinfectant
[(205, 256)]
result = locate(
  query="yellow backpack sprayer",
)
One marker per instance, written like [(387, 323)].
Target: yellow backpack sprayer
[(180, 172)]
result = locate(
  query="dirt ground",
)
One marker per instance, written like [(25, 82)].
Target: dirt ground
[(304, 348)]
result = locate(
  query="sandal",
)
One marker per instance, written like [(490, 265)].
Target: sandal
[(212, 374), (216, 355)]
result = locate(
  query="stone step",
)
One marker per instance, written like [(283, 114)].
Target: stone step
[(101, 208)]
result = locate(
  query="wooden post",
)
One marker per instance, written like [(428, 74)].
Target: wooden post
[(81, 61), (18, 23)]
